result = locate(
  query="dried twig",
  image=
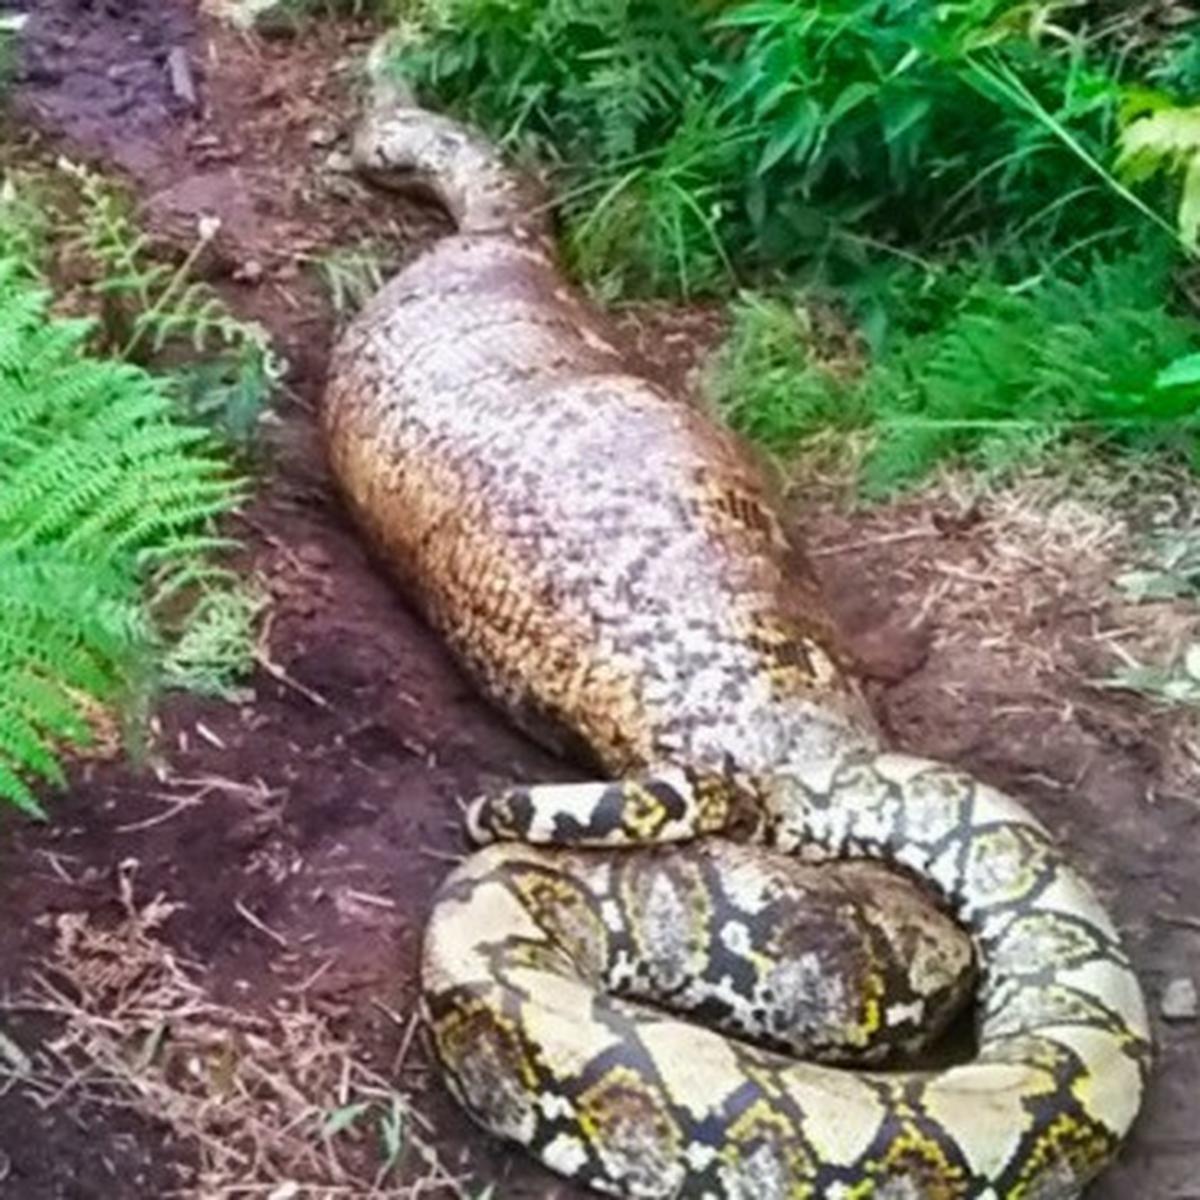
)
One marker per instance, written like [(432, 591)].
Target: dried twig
[(260, 925), (250, 1093)]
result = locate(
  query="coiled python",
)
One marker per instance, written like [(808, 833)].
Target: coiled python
[(609, 566)]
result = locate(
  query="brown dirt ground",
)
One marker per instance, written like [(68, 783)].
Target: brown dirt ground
[(303, 831)]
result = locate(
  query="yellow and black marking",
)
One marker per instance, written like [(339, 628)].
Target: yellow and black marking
[(1063, 1049), (629, 812)]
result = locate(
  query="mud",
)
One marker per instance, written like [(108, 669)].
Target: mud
[(324, 804)]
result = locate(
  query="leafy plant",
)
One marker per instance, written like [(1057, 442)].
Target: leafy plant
[(1002, 375), (1177, 683), (1163, 138), (768, 380), (68, 629), (694, 138), (1172, 570), (149, 310), (391, 1118), (103, 495), (946, 170), (214, 649), (22, 228), (1169, 570), (1017, 369), (351, 275)]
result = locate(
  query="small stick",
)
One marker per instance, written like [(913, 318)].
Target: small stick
[(273, 669), (883, 539), (441, 855), (1179, 919), (260, 925), (414, 1023), (183, 82), (180, 804), (300, 988), (369, 898), (55, 860)]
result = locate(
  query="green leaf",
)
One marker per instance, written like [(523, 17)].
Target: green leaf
[(795, 130), (1189, 205), (849, 98), (1166, 139), (392, 1128), (1183, 372), (1191, 661), (344, 1118), (1154, 585)]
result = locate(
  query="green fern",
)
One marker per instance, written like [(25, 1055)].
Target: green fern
[(351, 275), (211, 652), (68, 628), (148, 306), (102, 492)]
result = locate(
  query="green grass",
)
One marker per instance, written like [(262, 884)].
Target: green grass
[(770, 382), (703, 145), (1001, 376), (962, 180)]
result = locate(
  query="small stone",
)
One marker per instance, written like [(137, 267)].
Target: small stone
[(321, 136), (314, 554), (270, 18), (345, 188), (1180, 1001), (250, 272), (339, 162), (183, 82)]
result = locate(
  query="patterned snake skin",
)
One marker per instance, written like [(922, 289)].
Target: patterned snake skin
[(609, 566)]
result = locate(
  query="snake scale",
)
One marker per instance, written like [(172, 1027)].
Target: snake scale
[(640, 1006)]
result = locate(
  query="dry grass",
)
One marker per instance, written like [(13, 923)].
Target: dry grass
[(273, 1106), (1021, 581)]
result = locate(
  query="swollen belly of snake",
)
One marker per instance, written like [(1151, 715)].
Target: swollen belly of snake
[(680, 980)]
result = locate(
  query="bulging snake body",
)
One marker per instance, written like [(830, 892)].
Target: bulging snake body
[(610, 567)]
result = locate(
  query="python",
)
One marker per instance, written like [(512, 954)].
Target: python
[(610, 567)]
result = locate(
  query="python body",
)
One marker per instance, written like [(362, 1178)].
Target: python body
[(609, 566)]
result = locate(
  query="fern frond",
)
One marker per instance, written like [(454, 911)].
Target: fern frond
[(66, 627), (101, 488), (151, 306), (14, 789), (21, 740)]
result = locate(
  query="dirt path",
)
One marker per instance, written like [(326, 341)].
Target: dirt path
[(304, 829)]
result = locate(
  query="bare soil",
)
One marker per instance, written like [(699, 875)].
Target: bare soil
[(302, 831)]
